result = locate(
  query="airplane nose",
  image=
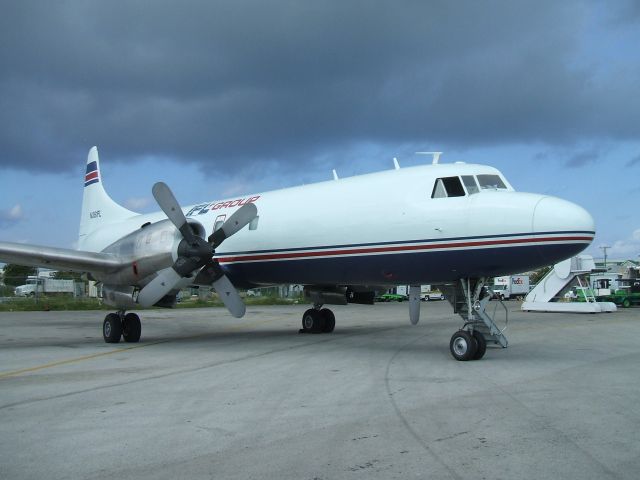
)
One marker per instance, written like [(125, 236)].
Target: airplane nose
[(553, 214)]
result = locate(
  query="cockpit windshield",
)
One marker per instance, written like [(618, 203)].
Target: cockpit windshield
[(490, 182), (452, 186)]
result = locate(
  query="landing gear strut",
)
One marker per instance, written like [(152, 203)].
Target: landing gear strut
[(123, 325), (318, 320)]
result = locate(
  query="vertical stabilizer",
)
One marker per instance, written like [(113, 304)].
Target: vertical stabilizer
[(98, 209)]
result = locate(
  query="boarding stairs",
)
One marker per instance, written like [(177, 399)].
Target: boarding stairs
[(555, 292), (469, 299)]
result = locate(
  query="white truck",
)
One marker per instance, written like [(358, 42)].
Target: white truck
[(511, 286), (44, 285), (427, 293)]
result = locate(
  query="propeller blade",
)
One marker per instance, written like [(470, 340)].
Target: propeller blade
[(229, 296), (157, 288), (234, 224), (414, 304), (171, 208)]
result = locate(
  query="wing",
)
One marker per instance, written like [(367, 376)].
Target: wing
[(61, 258)]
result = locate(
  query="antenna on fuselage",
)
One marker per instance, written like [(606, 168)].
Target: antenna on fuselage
[(435, 156), (396, 164), (335, 175)]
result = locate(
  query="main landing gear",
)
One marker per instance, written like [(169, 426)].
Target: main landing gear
[(123, 325), (318, 320)]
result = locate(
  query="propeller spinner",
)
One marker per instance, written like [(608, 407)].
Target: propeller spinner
[(196, 253)]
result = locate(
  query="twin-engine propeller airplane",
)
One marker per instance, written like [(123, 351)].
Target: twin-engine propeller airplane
[(452, 225)]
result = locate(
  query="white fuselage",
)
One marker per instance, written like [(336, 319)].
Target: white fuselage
[(385, 228)]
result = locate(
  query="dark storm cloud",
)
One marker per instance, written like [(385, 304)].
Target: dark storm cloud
[(232, 82)]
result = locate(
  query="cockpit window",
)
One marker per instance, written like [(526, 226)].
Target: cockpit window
[(438, 190), (490, 182), (447, 187), (470, 183)]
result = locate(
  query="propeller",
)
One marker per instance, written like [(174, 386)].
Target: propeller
[(196, 253)]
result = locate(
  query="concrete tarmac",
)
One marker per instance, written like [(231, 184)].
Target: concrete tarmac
[(205, 395)]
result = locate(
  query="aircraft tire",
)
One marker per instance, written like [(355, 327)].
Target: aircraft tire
[(329, 320), (112, 328), (312, 321), (463, 346), (481, 343), (131, 328)]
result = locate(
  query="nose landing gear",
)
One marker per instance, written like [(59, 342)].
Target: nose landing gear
[(469, 299), (466, 345)]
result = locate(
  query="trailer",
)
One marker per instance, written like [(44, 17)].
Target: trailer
[(44, 285)]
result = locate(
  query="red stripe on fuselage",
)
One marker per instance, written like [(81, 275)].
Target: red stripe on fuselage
[(91, 176), (400, 248)]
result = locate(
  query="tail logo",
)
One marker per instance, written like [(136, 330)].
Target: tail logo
[(92, 175)]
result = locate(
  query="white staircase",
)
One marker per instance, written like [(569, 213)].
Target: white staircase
[(554, 292)]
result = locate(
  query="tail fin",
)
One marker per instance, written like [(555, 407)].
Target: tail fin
[(98, 209)]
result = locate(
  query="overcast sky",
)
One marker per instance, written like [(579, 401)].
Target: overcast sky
[(223, 98)]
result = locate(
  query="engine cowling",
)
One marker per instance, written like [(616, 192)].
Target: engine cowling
[(149, 249)]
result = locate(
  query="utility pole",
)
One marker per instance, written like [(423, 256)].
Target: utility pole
[(604, 249)]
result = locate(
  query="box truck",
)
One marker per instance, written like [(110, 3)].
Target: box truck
[(511, 286)]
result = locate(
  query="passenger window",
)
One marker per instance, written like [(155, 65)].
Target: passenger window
[(470, 182), (447, 187), (490, 182)]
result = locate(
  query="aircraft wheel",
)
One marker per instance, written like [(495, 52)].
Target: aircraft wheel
[(312, 321), (329, 320), (463, 346), (112, 328), (481, 343), (131, 328)]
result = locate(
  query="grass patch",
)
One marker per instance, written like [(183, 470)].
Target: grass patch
[(44, 303), (249, 301)]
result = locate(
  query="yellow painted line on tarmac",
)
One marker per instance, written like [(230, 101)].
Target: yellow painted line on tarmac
[(75, 360), (112, 352)]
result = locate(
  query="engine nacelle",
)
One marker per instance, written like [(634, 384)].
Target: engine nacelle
[(119, 297), (122, 298), (150, 249)]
